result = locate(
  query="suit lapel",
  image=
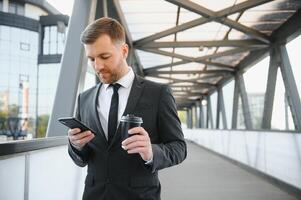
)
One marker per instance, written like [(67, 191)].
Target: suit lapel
[(133, 98)]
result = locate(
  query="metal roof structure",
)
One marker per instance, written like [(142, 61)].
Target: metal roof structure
[(196, 46)]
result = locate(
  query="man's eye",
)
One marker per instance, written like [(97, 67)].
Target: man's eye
[(91, 59), (105, 57)]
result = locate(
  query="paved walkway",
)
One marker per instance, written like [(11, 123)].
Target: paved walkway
[(206, 176)]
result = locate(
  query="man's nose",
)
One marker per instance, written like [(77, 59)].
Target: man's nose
[(98, 64)]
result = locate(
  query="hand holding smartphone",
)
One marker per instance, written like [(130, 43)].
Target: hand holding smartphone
[(77, 139), (73, 123)]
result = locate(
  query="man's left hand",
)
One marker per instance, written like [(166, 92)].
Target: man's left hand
[(139, 142)]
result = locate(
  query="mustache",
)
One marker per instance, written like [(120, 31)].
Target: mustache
[(101, 72)]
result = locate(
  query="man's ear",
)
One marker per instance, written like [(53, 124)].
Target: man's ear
[(125, 50)]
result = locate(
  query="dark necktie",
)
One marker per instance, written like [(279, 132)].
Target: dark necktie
[(113, 114)]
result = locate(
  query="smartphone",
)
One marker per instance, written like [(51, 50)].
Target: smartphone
[(72, 123)]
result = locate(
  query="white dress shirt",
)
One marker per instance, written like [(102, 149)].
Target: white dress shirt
[(105, 95)]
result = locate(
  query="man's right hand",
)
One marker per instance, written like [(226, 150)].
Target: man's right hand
[(79, 139)]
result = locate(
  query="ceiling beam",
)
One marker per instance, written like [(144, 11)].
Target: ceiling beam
[(187, 87), (173, 30), (188, 59), (214, 43), (245, 29), (223, 13), (196, 84), (221, 72), (202, 58), (288, 30), (226, 53), (186, 93), (175, 80), (285, 33), (196, 8), (241, 7)]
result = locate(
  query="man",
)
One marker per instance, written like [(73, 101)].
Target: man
[(123, 169)]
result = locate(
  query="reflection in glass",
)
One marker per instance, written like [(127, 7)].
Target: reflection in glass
[(18, 83), (54, 39)]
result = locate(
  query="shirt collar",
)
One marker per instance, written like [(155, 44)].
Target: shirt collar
[(125, 81)]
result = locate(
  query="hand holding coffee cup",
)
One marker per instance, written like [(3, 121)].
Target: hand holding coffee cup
[(135, 138), (127, 122)]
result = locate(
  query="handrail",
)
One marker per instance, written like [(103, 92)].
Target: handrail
[(14, 147)]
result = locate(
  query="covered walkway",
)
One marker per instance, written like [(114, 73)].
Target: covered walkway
[(206, 51), (206, 175)]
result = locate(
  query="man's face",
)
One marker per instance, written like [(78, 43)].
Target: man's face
[(107, 59)]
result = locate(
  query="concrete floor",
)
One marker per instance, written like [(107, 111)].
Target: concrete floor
[(206, 176)]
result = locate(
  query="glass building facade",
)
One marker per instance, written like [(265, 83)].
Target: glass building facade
[(27, 87), (18, 61)]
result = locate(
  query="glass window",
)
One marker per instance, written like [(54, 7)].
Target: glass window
[(47, 83), (20, 9), (12, 7), (3, 80), (18, 76), (16, 7), (1, 5), (53, 40), (5, 34), (46, 40)]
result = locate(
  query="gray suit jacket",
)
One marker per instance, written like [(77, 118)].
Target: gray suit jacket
[(114, 174)]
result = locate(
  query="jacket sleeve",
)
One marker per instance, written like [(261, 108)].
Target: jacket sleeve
[(80, 157), (172, 149)]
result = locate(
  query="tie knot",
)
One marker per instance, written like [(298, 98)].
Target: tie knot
[(115, 86)]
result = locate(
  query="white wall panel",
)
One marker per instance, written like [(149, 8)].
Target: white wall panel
[(12, 178), (277, 154)]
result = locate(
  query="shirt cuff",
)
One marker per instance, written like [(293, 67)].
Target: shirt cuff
[(149, 162)]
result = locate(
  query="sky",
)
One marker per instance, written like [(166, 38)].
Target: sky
[(64, 7)]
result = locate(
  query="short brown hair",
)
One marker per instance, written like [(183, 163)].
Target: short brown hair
[(105, 25)]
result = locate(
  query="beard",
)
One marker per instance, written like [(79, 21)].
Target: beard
[(107, 77)]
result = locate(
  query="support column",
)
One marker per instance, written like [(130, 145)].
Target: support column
[(222, 108), (290, 86), (218, 109), (194, 116), (73, 67), (209, 113), (189, 118), (270, 91), (201, 116), (245, 103), (235, 103), (197, 114)]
